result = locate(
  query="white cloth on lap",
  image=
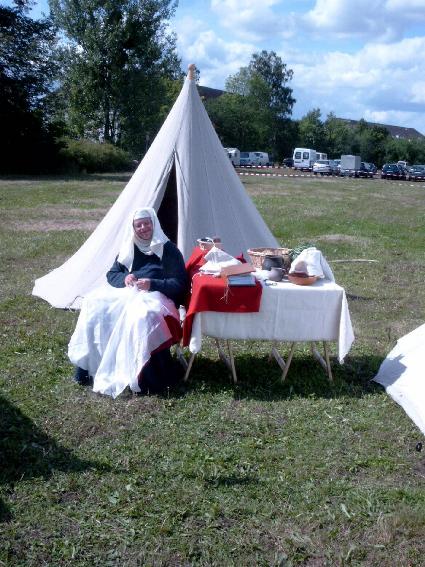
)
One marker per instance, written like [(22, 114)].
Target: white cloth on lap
[(116, 332)]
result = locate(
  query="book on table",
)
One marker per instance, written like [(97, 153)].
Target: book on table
[(236, 270), (241, 280)]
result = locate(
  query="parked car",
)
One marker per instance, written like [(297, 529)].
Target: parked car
[(261, 158), (254, 158), (234, 155), (245, 158), (391, 171), (416, 173), (288, 162), (373, 168), (337, 163), (404, 170), (322, 166), (335, 166), (365, 170)]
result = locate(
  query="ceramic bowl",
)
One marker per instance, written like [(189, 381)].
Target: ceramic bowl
[(301, 280), (275, 274), (207, 244)]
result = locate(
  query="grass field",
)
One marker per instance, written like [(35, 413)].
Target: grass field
[(259, 473)]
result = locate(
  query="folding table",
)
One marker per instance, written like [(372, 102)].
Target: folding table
[(288, 313)]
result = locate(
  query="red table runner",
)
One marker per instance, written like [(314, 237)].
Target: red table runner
[(211, 293)]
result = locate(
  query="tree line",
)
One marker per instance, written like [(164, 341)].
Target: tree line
[(255, 112), (89, 86)]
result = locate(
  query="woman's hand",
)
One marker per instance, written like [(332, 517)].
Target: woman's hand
[(130, 280), (144, 284)]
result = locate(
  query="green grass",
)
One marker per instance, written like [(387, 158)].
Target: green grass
[(258, 473)]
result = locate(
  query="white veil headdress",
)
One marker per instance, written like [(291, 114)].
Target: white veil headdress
[(156, 245)]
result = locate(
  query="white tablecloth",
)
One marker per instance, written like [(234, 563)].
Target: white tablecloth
[(288, 312)]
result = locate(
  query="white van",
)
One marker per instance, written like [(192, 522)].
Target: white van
[(261, 158), (304, 158), (247, 158), (234, 155), (254, 158), (321, 155)]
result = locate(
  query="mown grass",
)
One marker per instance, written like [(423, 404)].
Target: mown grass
[(259, 473)]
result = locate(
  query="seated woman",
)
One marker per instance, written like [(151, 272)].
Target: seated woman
[(125, 329)]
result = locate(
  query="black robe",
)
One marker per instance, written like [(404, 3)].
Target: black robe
[(167, 275)]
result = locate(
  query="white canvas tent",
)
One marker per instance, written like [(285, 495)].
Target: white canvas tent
[(402, 375), (187, 177)]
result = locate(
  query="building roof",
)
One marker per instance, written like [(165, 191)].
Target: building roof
[(398, 132), (207, 92)]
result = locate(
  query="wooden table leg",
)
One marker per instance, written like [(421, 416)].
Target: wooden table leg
[(227, 359), (281, 361), (324, 362), (232, 362), (328, 362), (189, 366)]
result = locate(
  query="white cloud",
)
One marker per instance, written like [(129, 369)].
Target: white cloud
[(380, 81), (417, 91), (404, 5), (383, 20), (214, 57), (250, 19)]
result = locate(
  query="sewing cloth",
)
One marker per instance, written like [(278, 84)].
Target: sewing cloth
[(116, 332)]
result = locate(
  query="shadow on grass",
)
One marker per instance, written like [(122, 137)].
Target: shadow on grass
[(26, 452), (261, 378)]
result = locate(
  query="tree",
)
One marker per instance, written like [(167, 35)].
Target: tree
[(27, 72), (254, 113), (270, 69), (232, 116), (312, 131), (372, 141), (117, 57), (337, 136)]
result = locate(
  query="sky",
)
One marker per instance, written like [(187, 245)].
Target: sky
[(355, 58)]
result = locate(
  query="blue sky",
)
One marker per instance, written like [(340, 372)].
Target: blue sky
[(356, 58)]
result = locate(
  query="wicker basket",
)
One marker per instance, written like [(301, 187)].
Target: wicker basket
[(257, 256)]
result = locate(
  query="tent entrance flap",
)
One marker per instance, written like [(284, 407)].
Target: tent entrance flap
[(168, 209)]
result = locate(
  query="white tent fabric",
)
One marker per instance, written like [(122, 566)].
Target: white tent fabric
[(403, 377), (211, 201)]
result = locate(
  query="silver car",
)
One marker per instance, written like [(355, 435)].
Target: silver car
[(322, 166)]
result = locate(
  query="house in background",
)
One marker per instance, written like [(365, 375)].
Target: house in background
[(397, 132)]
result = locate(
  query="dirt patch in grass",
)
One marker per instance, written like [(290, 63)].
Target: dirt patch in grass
[(58, 225), (343, 238), (56, 218)]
